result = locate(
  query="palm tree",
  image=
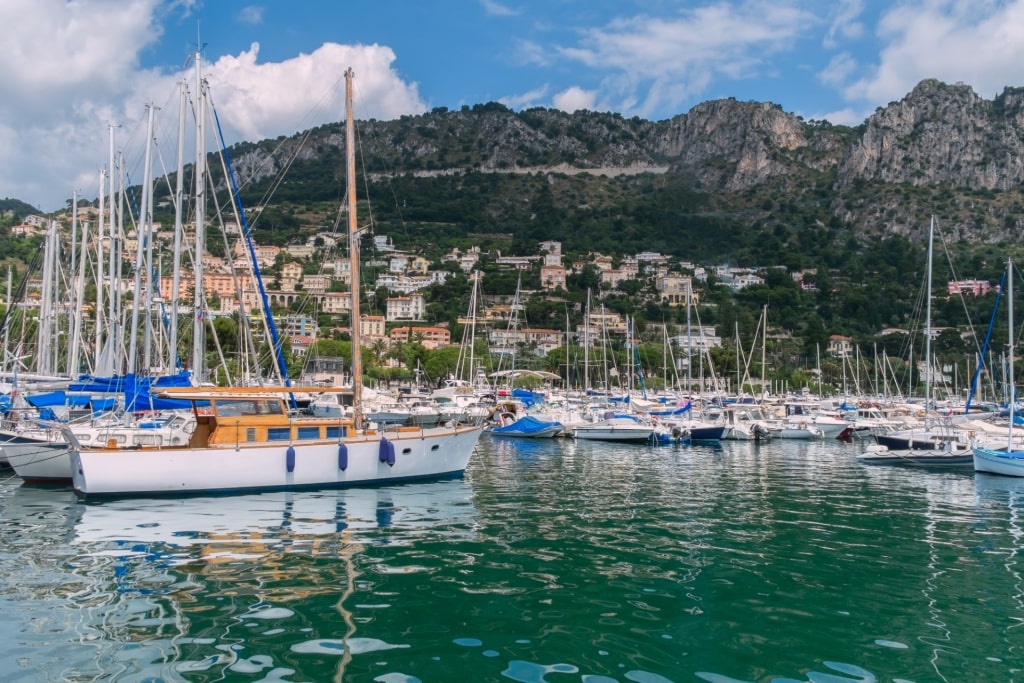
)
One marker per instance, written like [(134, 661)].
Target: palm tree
[(379, 347)]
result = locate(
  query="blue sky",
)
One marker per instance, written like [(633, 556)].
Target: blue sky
[(72, 67)]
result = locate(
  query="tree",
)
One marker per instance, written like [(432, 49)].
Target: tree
[(440, 363)]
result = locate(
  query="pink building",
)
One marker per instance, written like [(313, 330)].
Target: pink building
[(972, 287)]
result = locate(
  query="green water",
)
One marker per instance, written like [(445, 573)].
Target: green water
[(550, 561)]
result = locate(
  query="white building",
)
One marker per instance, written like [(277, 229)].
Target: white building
[(411, 307)]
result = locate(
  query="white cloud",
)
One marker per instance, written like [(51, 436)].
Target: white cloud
[(659, 62), (498, 9), (574, 99), (526, 99), (73, 67), (980, 43), (258, 101), (838, 70), (251, 14), (528, 52), (845, 22)]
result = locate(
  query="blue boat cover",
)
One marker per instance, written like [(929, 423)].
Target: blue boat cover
[(526, 426), (529, 398), (672, 411)]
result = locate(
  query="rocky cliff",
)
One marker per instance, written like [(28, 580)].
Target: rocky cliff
[(942, 150)]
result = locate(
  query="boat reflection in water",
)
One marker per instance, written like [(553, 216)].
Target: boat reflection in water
[(245, 526), (164, 587)]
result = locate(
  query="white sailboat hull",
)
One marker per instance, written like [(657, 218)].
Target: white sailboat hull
[(1008, 463), (797, 433), (614, 429), (43, 455), (417, 455), (41, 461)]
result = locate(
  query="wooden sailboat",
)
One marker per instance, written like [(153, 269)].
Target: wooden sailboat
[(246, 440)]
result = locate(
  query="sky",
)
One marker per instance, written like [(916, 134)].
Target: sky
[(72, 71)]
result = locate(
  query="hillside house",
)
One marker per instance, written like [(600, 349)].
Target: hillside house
[(411, 307), (552, 277), (300, 250), (538, 341), (840, 346), (371, 329), (429, 337), (968, 287), (336, 303), (316, 283), (675, 289)]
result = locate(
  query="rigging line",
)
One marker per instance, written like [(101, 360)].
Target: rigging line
[(152, 278), (963, 299), (282, 368), (386, 174), (324, 104), (244, 316)]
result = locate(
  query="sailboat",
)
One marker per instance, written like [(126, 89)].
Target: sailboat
[(245, 439), (1008, 461), (937, 444), (511, 414)]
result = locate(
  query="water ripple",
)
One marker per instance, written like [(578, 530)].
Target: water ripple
[(781, 562)]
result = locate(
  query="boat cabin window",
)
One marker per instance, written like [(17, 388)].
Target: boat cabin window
[(237, 408)]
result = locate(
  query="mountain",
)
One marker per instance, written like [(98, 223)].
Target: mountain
[(17, 207), (745, 170)]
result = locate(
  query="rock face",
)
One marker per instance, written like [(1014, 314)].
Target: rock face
[(942, 148), (755, 141), (941, 134)]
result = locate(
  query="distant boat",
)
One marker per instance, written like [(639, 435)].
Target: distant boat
[(529, 427), (615, 428), (943, 457), (1009, 462), (42, 455)]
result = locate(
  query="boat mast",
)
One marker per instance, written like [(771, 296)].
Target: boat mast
[(472, 373), (43, 346), (739, 382), (141, 237), (179, 208), (586, 348), (928, 323), (100, 312), (7, 325), (77, 272), (764, 345), (1009, 350), (198, 322), (353, 252)]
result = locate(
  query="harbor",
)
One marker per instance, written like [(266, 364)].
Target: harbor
[(549, 559)]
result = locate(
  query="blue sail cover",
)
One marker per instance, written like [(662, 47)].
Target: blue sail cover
[(56, 398), (52, 399), (138, 391), (673, 411)]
